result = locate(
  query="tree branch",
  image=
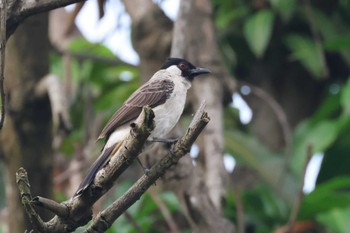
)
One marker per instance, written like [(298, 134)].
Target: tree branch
[(275, 107), (56, 208), (80, 207), (77, 212), (106, 218), (26, 197), (3, 17), (298, 199)]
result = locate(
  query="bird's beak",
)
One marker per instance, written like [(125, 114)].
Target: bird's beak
[(198, 71)]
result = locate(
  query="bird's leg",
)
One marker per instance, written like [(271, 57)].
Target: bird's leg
[(168, 141), (145, 170)]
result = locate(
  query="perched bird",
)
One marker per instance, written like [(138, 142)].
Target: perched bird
[(165, 93)]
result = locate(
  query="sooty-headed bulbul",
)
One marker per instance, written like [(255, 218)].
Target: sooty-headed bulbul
[(165, 93)]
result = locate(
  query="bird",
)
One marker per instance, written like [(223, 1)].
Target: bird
[(165, 92)]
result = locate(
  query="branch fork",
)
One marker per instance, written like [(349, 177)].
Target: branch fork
[(77, 212)]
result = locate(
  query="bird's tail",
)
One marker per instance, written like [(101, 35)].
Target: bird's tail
[(101, 161)]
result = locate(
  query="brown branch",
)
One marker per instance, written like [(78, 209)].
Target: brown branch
[(71, 18), (77, 211), (56, 208), (275, 107), (133, 222), (239, 211), (80, 207), (165, 211), (106, 217), (26, 197), (101, 5), (300, 196), (3, 16)]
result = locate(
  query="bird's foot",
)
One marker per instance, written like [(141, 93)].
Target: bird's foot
[(167, 141), (145, 169)]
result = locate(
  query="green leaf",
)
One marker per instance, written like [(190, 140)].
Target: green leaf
[(325, 197), (336, 159), (258, 30), (336, 220), (323, 23), (339, 43), (227, 16), (345, 98), (263, 208), (285, 8), (307, 53), (320, 135), (83, 46), (270, 166)]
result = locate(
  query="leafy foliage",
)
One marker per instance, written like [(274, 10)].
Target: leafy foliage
[(257, 30), (275, 44)]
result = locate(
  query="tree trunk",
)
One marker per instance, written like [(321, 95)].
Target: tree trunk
[(26, 136), (197, 42)]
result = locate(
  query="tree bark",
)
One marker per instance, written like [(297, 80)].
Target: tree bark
[(26, 137), (197, 42)]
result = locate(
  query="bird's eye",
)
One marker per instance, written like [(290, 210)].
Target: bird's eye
[(183, 66)]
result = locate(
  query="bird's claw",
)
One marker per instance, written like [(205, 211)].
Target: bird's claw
[(167, 141)]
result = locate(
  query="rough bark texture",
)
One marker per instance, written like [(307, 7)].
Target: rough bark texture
[(196, 41), (77, 211), (26, 136)]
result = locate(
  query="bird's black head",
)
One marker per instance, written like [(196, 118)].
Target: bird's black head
[(187, 69)]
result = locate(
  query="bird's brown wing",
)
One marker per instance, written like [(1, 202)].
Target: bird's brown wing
[(151, 93)]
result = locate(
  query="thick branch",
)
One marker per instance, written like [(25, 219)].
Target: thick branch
[(51, 205), (80, 207), (106, 218)]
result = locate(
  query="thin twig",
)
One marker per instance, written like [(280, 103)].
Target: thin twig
[(165, 211), (275, 107), (133, 222), (71, 18), (239, 210), (300, 196), (56, 208), (3, 17), (26, 198), (80, 207)]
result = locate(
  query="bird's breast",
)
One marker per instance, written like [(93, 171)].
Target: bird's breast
[(168, 114)]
